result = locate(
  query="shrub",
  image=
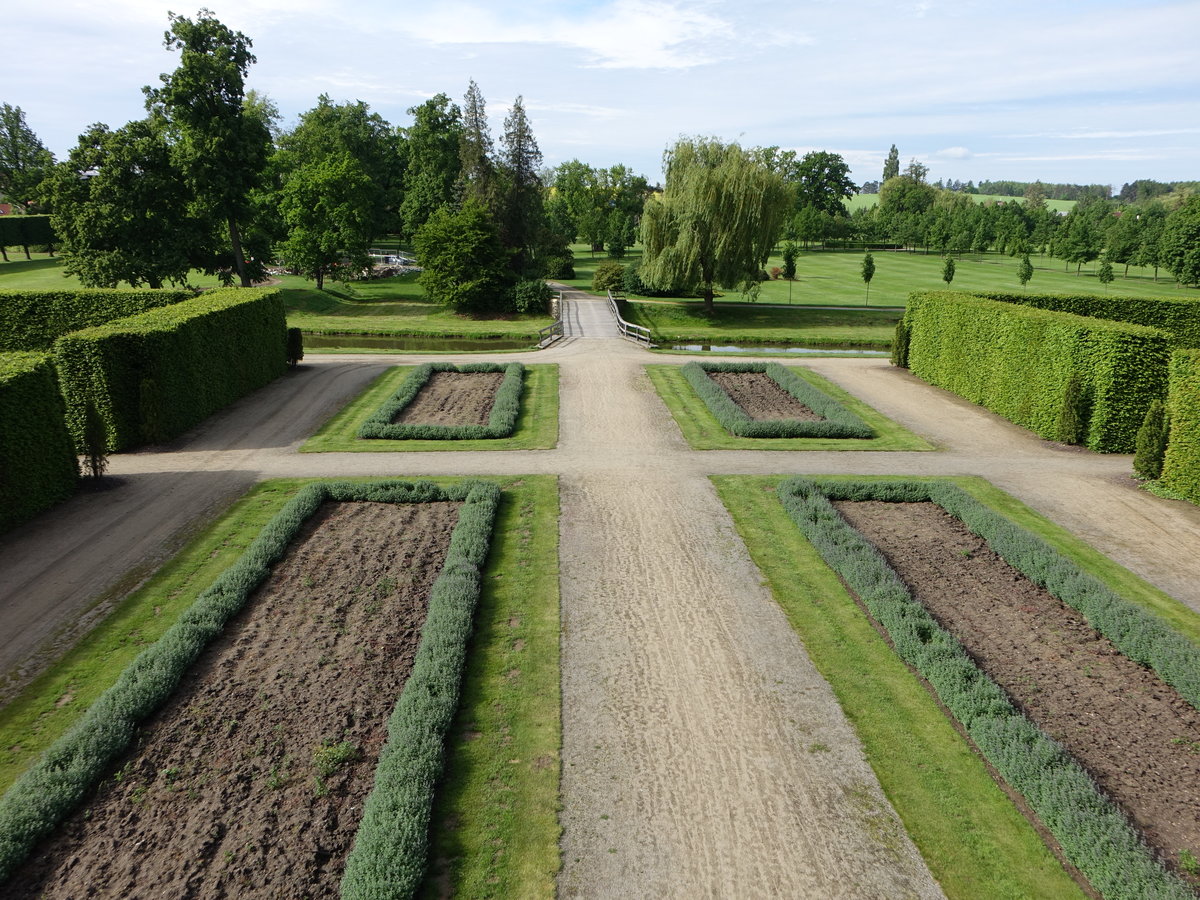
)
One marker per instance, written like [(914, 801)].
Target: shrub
[(501, 421), (1092, 831), (38, 467), (33, 320), (295, 346), (531, 295), (900, 345), (837, 422), (153, 376), (1017, 361), (560, 267), (1181, 464), (608, 277), (1151, 443)]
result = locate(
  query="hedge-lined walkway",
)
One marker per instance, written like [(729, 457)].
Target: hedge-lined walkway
[(689, 707)]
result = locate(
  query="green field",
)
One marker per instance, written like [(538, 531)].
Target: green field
[(866, 201)]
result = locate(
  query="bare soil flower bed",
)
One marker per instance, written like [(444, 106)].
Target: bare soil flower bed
[(251, 781), (453, 398), (1133, 733), (761, 397)]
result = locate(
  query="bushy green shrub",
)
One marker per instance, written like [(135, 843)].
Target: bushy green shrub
[(1181, 464), (501, 420), (155, 375), (532, 295), (33, 320), (900, 345), (295, 346), (1017, 361), (837, 421), (560, 267), (1092, 831), (394, 848), (607, 277), (1151, 443), (37, 459)]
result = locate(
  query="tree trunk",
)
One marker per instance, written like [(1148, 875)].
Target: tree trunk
[(239, 261), (27, 256), (4, 253), (707, 294), (320, 273)]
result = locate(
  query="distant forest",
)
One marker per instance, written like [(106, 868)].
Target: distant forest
[(1133, 192)]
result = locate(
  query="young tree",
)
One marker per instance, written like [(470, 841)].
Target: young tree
[(1105, 274), (122, 210), (891, 168), (464, 265), (1025, 270), (790, 252), (948, 270), (24, 161), (868, 272), (221, 150), (715, 222)]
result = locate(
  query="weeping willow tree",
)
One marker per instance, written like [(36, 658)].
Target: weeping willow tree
[(716, 221)]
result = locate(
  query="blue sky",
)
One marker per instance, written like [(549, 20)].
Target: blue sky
[(1096, 92)]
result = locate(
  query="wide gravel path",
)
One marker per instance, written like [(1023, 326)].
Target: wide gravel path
[(690, 709)]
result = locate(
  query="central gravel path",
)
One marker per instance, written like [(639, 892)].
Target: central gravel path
[(695, 727)]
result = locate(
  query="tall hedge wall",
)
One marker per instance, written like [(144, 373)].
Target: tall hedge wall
[(1176, 315), (154, 375), (37, 461), (33, 320), (1022, 362), (18, 231), (1181, 467)]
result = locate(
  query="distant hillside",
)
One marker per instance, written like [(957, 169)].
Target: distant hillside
[(869, 200)]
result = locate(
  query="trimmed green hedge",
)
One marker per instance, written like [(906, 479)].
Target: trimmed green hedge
[(33, 320), (1176, 315), (1019, 361), (21, 231), (1181, 466), (155, 375), (501, 421), (838, 422), (68, 772), (1092, 831), (38, 467)]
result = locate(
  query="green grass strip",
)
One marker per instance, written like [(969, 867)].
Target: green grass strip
[(1092, 831), (703, 432), (501, 420), (974, 840), (837, 421), (536, 426)]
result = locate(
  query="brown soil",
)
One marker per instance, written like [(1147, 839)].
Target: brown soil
[(453, 398), (1130, 730), (761, 397), (223, 795)]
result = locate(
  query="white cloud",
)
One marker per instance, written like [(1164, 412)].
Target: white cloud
[(954, 153)]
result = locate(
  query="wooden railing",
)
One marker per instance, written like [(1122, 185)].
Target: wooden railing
[(553, 331), (628, 329)]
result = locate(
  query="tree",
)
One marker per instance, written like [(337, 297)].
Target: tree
[(221, 151), (891, 168), (715, 222), (1025, 270), (24, 161), (823, 182), (1105, 273), (327, 204), (917, 171), (905, 194), (790, 252), (476, 152), (948, 270), (464, 265), (1179, 247), (122, 210), (434, 164), (521, 210), (868, 271)]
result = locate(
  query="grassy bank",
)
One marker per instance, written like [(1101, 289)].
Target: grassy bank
[(672, 322), (702, 431), (536, 428), (517, 630)]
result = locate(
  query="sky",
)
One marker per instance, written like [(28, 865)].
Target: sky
[(1096, 92)]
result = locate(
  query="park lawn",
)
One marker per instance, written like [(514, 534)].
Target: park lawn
[(971, 835), (45, 273), (477, 835), (703, 432), (866, 201), (391, 306), (675, 322), (536, 428)]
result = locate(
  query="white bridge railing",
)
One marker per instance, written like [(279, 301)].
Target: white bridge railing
[(628, 329)]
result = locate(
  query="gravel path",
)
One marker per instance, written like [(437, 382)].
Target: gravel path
[(690, 709)]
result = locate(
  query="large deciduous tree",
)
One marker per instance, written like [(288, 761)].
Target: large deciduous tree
[(122, 210), (24, 160), (221, 150), (716, 221), (326, 204), (1179, 247), (464, 265), (432, 176), (823, 182)]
